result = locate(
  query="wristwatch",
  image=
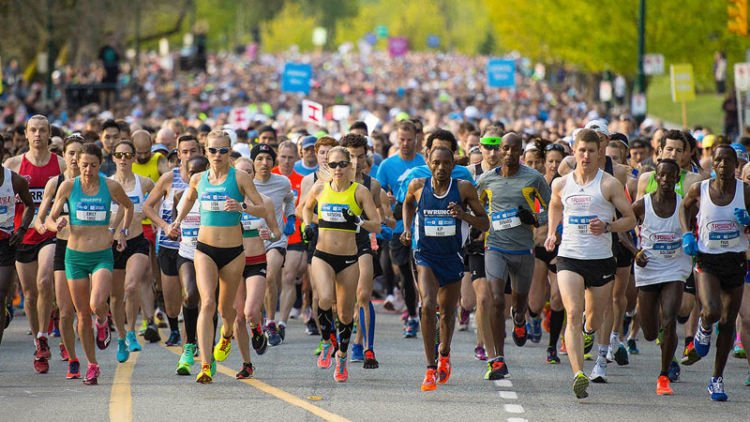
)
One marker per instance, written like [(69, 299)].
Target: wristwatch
[(125, 232), (244, 206)]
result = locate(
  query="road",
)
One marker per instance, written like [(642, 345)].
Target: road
[(288, 386)]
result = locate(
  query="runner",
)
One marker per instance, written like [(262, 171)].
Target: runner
[(308, 163), (720, 250), (585, 201), (88, 258), (73, 146), (440, 231), (510, 191), (279, 189), (130, 265), (340, 203), (35, 254), (218, 252), (661, 266)]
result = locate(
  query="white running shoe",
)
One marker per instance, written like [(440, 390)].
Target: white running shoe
[(599, 371)]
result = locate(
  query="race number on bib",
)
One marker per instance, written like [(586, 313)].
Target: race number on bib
[(190, 236), (439, 226), (504, 220), (332, 213), (667, 250), (137, 205), (250, 222), (91, 212), (213, 202), (580, 223), (728, 239)]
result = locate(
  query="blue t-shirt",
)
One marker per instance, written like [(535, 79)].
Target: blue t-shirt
[(304, 171), (391, 175), (459, 172)]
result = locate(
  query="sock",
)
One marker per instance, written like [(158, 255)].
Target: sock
[(703, 330), (190, 316), (216, 324), (664, 373), (345, 334), (556, 320), (614, 338), (173, 324), (362, 325), (326, 323), (371, 328), (280, 323), (533, 315), (42, 334), (603, 349), (298, 295)]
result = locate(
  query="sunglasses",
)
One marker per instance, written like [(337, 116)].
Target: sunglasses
[(491, 147), (555, 147), (222, 150), (336, 164), (75, 137), (121, 155)]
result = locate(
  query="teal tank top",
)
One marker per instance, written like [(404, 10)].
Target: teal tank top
[(213, 197), (89, 210)]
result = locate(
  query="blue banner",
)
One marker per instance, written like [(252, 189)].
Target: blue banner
[(296, 78), (501, 73)]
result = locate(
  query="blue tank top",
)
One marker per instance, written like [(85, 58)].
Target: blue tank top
[(178, 185), (213, 197), (89, 210), (437, 232)]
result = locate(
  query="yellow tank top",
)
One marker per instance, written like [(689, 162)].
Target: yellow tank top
[(150, 170), (330, 204)]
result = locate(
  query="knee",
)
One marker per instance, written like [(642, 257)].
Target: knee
[(648, 334), (363, 298), (208, 305), (498, 301), (711, 313), (131, 290), (192, 298), (45, 284), (429, 307)]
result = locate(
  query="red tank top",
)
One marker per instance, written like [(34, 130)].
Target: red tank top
[(37, 178), (296, 180)]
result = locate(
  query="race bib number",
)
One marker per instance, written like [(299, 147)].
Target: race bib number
[(213, 202), (718, 240), (504, 220), (332, 213), (439, 226), (137, 205), (91, 212), (250, 222), (580, 223), (667, 250), (190, 236)]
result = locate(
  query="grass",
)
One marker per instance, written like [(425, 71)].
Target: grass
[(705, 110)]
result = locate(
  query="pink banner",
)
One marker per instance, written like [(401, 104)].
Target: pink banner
[(398, 46)]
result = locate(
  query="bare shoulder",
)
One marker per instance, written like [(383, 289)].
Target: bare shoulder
[(13, 163)]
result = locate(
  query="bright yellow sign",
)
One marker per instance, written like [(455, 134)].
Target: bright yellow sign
[(683, 83)]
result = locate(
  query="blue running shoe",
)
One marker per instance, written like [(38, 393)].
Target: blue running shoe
[(411, 329), (702, 341), (674, 371), (716, 389), (122, 351), (536, 330), (132, 341), (274, 338), (633, 347), (358, 353)]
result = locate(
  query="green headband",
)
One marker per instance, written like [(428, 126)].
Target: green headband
[(491, 140)]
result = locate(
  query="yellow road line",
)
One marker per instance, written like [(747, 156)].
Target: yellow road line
[(277, 392), (121, 399)]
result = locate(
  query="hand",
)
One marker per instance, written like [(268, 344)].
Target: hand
[(456, 210), (173, 230), (550, 243), (475, 233), (406, 238), (289, 227), (232, 205), (527, 217), (264, 233), (689, 244), (350, 217), (597, 226), (17, 236), (386, 232), (39, 226), (61, 224), (309, 233), (391, 198), (742, 217), (641, 259), (121, 242)]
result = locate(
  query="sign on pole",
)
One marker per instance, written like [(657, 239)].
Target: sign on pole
[(605, 91), (319, 36), (296, 78), (653, 64), (312, 112), (683, 87), (742, 76), (239, 117), (398, 46), (501, 73)]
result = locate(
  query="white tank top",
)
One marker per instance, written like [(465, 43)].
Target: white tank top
[(136, 197), (580, 205), (7, 203), (661, 241), (718, 232), (189, 229)]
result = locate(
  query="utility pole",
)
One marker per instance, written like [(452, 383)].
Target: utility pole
[(50, 56), (640, 82), (137, 33)]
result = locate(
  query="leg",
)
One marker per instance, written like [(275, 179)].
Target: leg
[(322, 277), (484, 312), (172, 290), (650, 316), (273, 279), (191, 301), (428, 292), (346, 297), (745, 320), (670, 298), (230, 278), (572, 293), (619, 299), (731, 299), (494, 337), (27, 273), (207, 278), (6, 280), (240, 323), (80, 292), (364, 293), (117, 301), (136, 269), (45, 285), (447, 300), (67, 313), (538, 292), (294, 260)]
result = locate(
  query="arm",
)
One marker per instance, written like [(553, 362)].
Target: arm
[(639, 211), (364, 197), (413, 193), (304, 189), (271, 222), (565, 166), (13, 163), (247, 187), (380, 198), (616, 194), (162, 165), (151, 205), (689, 209), (191, 195), (57, 207), (309, 205), (21, 188), (40, 224), (119, 195), (469, 197), (642, 184), (555, 214)]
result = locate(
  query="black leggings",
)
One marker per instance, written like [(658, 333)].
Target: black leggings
[(408, 287), (220, 256), (337, 262)]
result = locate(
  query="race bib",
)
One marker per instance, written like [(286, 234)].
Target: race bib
[(439, 226), (213, 202), (717, 240), (250, 222), (91, 212), (190, 236), (332, 213), (137, 205), (580, 223), (504, 220), (667, 250)]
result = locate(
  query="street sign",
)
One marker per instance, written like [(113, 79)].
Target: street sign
[(742, 76), (501, 73), (653, 64), (398, 46), (312, 112), (239, 117), (682, 81), (638, 106), (296, 78), (433, 41), (605, 91), (319, 36)]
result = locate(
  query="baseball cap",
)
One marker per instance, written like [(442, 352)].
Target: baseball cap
[(599, 126), (491, 140), (160, 148), (741, 151), (617, 136), (262, 149), (708, 141), (308, 141)]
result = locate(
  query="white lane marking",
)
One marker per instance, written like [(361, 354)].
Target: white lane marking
[(503, 383), (514, 408), (508, 395), (517, 420)]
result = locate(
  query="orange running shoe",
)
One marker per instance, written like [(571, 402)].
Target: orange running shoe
[(444, 369), (662, 386), (324, 358), (430, 380), (340, 374)]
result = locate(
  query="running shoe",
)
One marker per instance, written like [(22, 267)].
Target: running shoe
[(64, 353), (144, 327), (324, 358), (463, 320), (259, 341), (42, 348), (223, 347), (41, 365), (132, 340), (739, 351), (411, 328), (160, 319), (174, 338), (588, 342), (388, 303), (294, 313), (480, 353), (496, 369), (599, 371), (444, 369), (246, 372), (747, 380), (340, 374), (122, 350), (547, 320), (633, 347), (213, 367), (204, 376), (535, 334), (74, 370), (674, 371), (311, 329), (580, 384), (519, 334), (370, 361), (690, 356), (701, 341), (274, 339), (662, 386), (552, 357), (358, 353), (318, 349), (92, 374), (187, 358), (9, 314), (660, 337), (430, 380), (282, 331), (621, 355), (716, 389), (563, 350), (151, 334)]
